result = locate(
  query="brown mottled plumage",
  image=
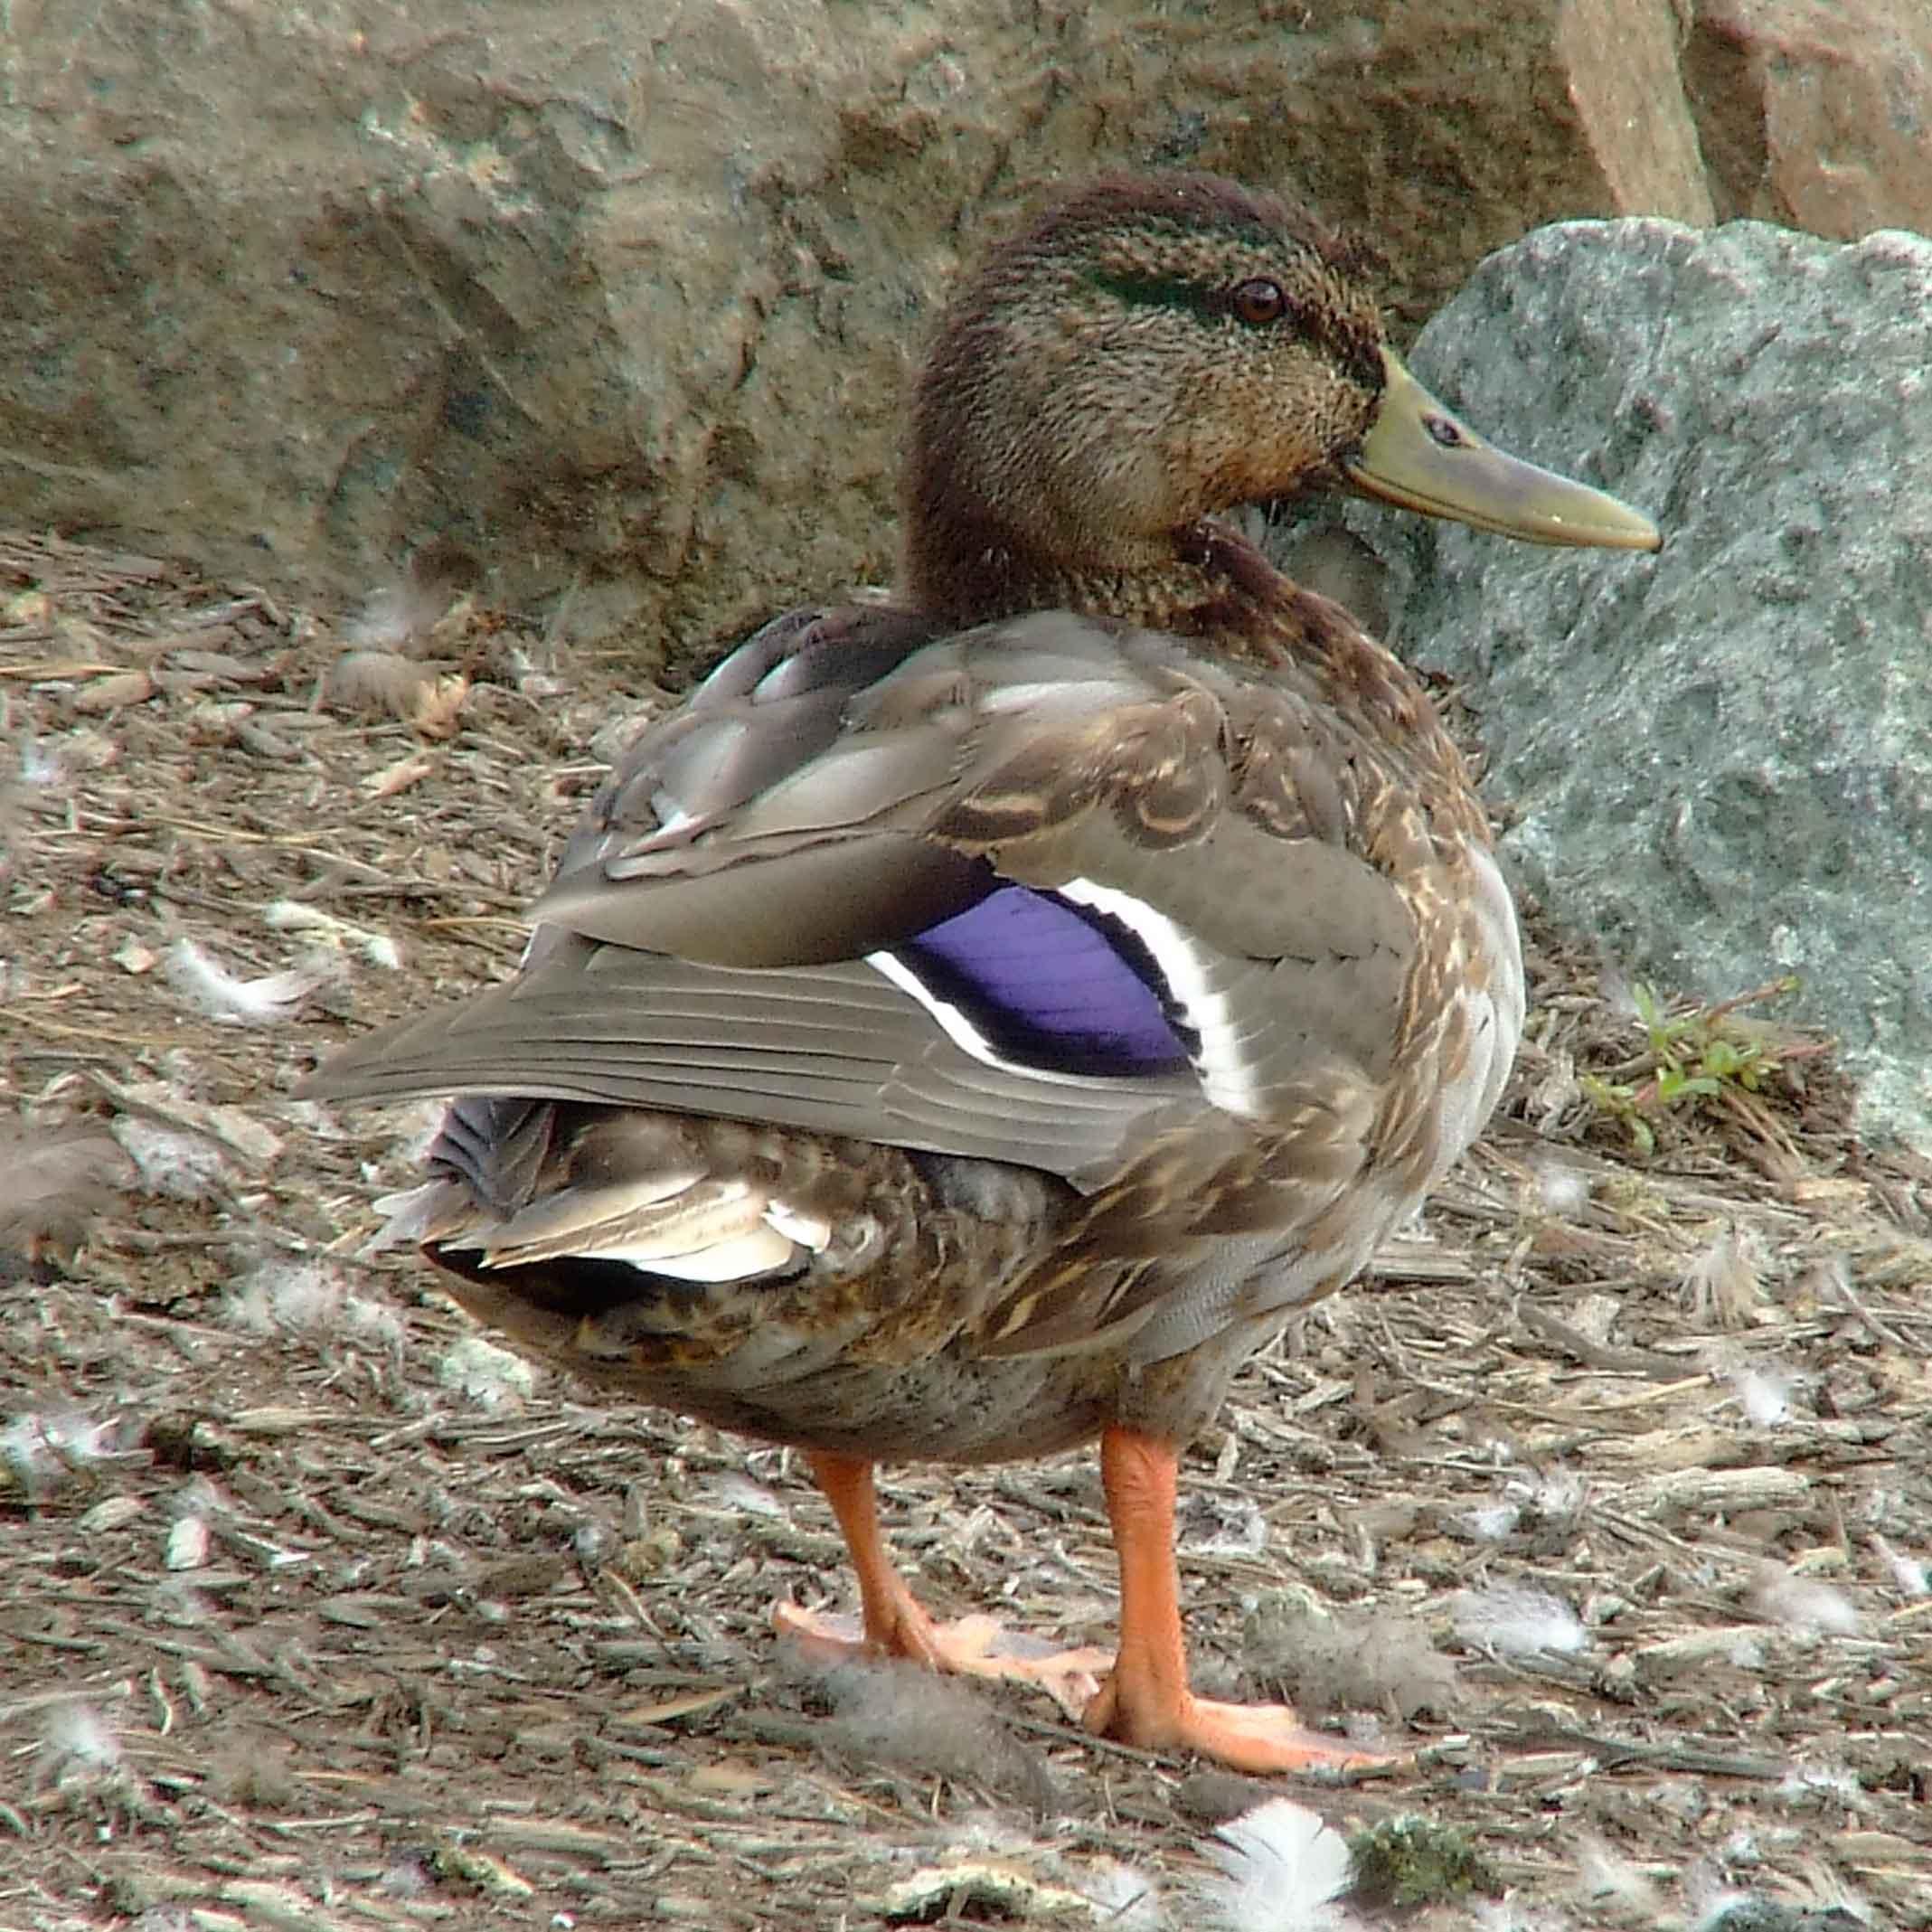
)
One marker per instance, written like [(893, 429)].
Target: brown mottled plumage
[(974, 1025)]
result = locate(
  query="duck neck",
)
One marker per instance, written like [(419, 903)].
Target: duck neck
[(1202, 580)]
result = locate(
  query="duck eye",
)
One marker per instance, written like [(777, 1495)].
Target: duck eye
[(1448, 434), (1260, 301)]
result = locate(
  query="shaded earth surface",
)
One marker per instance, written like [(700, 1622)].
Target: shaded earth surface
[(1608, 1499)]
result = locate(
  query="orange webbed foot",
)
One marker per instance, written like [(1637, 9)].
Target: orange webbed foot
[(1260, 1738), (977, 1646)]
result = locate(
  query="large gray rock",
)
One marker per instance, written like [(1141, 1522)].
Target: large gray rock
[(1717, 760), (619, 300)]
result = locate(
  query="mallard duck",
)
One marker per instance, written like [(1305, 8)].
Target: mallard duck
[(974, 1023)]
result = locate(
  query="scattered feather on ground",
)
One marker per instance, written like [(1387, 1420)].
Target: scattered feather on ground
[(1518, 1622), (1282, 1869), (269, 999)]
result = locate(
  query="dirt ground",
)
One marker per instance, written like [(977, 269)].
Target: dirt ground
[(1611, 1494)]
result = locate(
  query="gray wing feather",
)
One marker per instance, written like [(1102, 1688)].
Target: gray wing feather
[(832, 1049)]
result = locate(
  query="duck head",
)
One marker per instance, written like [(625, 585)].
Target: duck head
[(1153, 350)]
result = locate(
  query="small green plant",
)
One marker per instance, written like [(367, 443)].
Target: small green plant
[(1702, 1053), (1412, 1861)]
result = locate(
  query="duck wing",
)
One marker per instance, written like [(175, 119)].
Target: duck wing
[(1033, 892)]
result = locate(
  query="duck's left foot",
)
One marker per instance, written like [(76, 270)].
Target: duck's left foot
[(1256, 1738), (897, 1626), (974, 1646)]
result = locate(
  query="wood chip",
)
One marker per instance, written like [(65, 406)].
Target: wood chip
[(396, 779), (111, 692), (667, 1711)]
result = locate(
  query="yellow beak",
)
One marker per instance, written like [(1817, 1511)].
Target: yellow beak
[(1418, 456)]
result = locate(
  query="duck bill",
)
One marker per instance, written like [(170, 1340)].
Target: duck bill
[(1418, 456)]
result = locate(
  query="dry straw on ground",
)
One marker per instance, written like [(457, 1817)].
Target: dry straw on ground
[(1614, 1488)]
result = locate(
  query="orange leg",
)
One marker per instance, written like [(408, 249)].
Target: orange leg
[(895, 1625), (1146, 1700)]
